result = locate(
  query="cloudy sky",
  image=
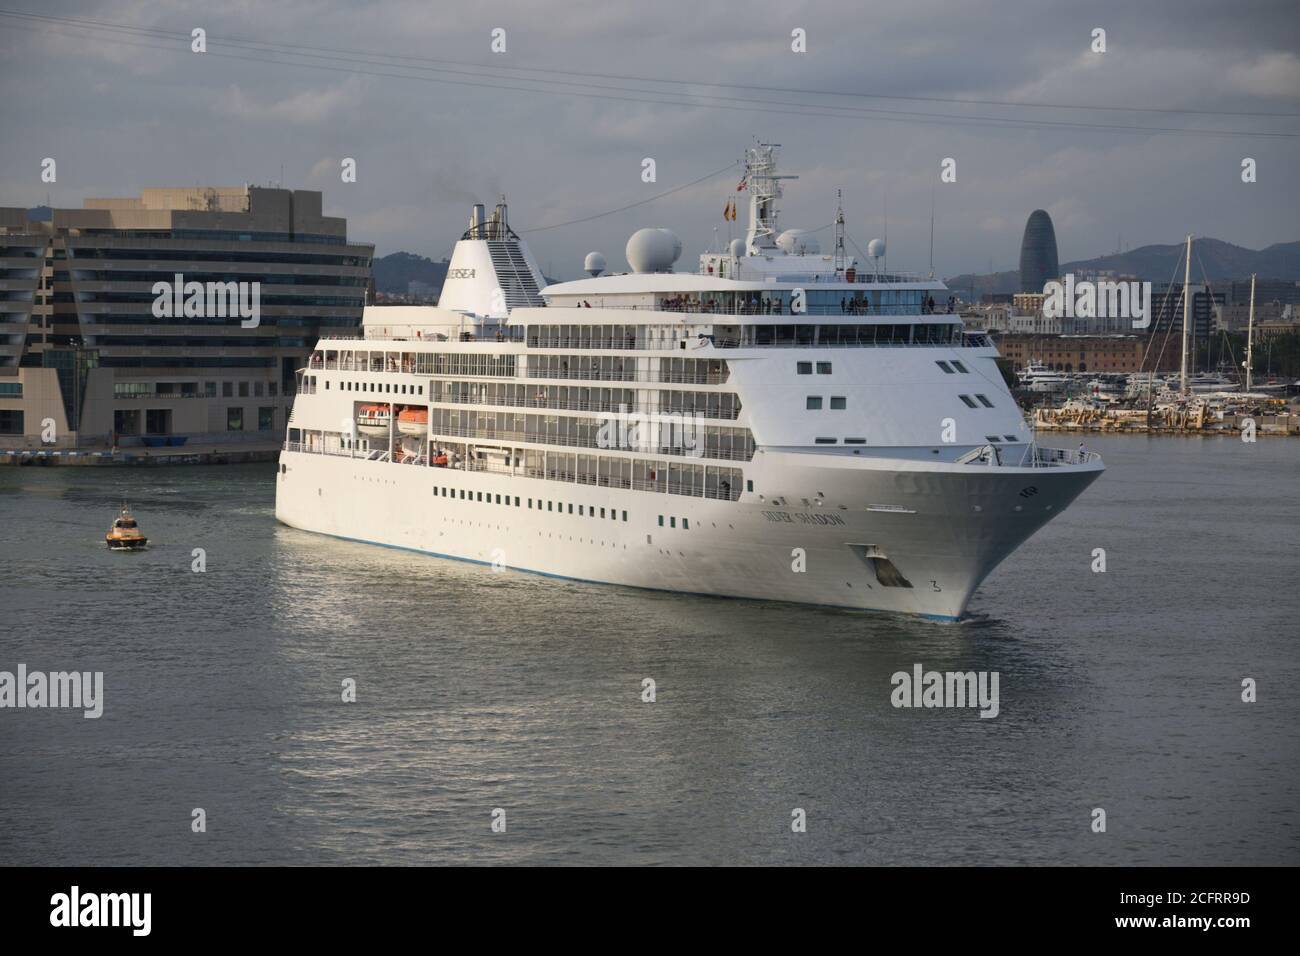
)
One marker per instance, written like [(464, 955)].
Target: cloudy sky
[(589, 88)]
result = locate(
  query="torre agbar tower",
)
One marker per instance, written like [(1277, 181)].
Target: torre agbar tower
[(1038, 262)]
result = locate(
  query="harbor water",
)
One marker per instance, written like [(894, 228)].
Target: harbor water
[(478, 691)]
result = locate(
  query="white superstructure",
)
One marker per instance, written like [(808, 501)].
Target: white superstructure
[(778, 425)]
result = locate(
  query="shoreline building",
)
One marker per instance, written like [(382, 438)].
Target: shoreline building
[(1075, 353), (84, 357)]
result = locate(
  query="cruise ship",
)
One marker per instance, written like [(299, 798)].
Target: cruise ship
[(782, 424)]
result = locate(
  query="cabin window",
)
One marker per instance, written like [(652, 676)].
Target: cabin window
[(661, 521), (823, 368), (970, 403), (624, 515), (959, 367), (838, 402), (827, 441), (814, 402), (803, 368), (855, 441), (945, 366), (984, 401)]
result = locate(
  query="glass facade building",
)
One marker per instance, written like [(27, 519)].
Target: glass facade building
[(80, 314), (1038, 261)]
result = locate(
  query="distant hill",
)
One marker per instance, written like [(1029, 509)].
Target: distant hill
[(395, 270), (1218, 259)]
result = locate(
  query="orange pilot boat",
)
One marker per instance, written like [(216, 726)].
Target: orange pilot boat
[(125, 535)]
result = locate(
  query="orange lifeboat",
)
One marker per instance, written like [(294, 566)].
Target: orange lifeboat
[(373, 419), (413, 421)]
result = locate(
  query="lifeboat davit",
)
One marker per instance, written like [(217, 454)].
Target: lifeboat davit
[(413, 422), (373, 419)]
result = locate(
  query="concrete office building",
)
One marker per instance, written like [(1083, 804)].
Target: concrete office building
[(82, 349)]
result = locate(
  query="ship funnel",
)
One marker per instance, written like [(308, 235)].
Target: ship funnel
[(476, 216)]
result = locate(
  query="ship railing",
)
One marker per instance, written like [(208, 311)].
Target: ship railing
[(723, 343), (849, 309), (661, 485), (1036, 456), (713, 488), (492, 436), (612, 408), (630, 375), (352, 365), (511, 334), (722, 489)]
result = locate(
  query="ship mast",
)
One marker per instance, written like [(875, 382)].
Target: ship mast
[(764, 190), (1187, 298), (841, 257)]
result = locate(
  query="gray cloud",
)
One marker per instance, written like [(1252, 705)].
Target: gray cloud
[(122, 112)]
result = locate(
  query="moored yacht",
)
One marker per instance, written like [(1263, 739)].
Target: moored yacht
[(1037, 377)]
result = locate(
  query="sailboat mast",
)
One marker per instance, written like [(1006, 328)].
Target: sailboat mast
[(1187, 298), (1250, 332)]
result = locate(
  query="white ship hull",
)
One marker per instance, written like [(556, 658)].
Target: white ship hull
[(946, 527)]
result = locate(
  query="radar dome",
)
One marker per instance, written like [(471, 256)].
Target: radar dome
[(737, 247), (653, 250), (594, 263), (876, 248), (796, 242)]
